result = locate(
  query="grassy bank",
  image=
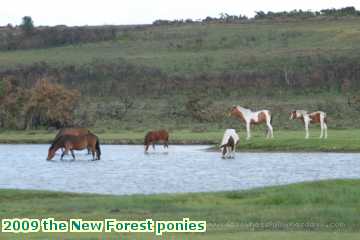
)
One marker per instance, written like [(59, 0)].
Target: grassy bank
[(317, 210), (285, 140)]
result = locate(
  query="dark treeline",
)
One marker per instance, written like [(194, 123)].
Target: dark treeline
[(16, 38), (42, 95), (261, 15), (120, 77)]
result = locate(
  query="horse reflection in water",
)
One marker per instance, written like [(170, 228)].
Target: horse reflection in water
[(153, 137), (71, 143), (228, 143)]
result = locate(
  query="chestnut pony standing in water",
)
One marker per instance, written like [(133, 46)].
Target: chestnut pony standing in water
[(72, 132), (71, 143), (153, 137)]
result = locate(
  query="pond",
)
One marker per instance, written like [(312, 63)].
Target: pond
[(125, 169)]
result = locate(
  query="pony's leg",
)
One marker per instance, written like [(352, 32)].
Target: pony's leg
[(248, 131), (224, 152), (72, 153), (325, 129), (306, 129), (153, 146), (66, 151), (146, 147), (62, 155), (321, 128), (270, 130), (93, 153)]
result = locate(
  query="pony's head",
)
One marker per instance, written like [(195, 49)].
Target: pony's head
[(293, 115), (233, 111), (51, 152), (237, 111)]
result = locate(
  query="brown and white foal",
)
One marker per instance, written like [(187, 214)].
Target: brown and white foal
[(314, 117), (249, 117)]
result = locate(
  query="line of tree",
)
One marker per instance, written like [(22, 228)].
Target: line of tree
[(119, 78), (26, 35), (341, 12), (261, 15)]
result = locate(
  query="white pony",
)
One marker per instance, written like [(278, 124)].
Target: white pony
[(314, 117), (228, 143), (249, 117)]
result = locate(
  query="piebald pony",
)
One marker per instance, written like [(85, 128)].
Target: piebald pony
[(314, 117), (228, 143), (249, 117)]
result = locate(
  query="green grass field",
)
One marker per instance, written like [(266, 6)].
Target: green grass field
[(210, 47), (285, 140), (321, 54), (316, 210)]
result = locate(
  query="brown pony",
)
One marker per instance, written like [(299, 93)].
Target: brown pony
[(71, 143), (153, 137), (72, 132)]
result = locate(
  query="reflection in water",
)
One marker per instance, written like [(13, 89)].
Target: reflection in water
[(126, 169)]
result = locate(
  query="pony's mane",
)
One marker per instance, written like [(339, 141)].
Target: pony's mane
[(301, 112), (242, 109), (58, 140)]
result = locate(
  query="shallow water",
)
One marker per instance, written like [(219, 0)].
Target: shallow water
[(125, 169)]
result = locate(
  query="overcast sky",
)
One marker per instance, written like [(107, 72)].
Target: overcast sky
[(95, 12)]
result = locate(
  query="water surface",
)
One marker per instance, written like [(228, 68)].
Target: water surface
[(125, 169)]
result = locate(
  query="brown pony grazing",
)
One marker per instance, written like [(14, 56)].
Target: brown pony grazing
[(72, 132), (71, 143), (153, 137)]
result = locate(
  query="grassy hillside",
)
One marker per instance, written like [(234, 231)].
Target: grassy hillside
[(204, 47), (318, 210), (310, 64)]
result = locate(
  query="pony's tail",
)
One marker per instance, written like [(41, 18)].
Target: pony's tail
[(271, 121), (97, 146), (325, 119)]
